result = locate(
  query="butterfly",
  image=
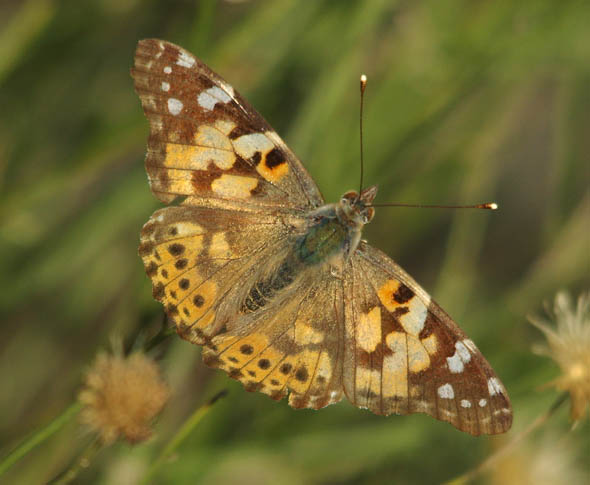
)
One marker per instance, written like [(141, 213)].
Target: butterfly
[(275, 284)]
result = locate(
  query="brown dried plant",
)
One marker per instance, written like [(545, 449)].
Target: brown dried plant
[(122, 396)]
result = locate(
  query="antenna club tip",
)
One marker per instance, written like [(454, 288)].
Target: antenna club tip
[(363, 82), (490, 205)]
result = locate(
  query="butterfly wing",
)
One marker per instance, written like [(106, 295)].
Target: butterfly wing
[(206, 142), (404, 354), (294, 347), (201, 260)]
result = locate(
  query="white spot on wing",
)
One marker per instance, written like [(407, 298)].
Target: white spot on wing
[(482, 403), (465, 403), (494, 386), (462, 351), (247, 145), (446, 391), (185, 60), (413, 321), (161, 51), (175, 106), (459, 358), (165, 86), (455, 363), (167, 70), (209, 98)]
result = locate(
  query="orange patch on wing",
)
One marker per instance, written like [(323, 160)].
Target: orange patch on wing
[(386, 293), (199, 300), (368, 385), (368, 334), (276, 380), (272, 172), (305, 334), (418, 358), (430, 344), (211, 145), (234, 186), (303, 372), (237, 351), (395, 366), (261, 365), (395, 295), (219, 247)]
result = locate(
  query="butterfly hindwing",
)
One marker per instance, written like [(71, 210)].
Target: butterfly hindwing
[(293, 347), (201, 260), (404, 354), (206, 143)]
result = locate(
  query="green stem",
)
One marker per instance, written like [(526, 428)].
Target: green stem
[(187, 428), (39, 437), (162, 335), (81, 463)]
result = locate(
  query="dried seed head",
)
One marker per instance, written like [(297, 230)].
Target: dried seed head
[(121, 397), (569, 346)]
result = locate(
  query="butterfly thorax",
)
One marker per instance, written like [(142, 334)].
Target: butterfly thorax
[(338, 227), (331, 237)]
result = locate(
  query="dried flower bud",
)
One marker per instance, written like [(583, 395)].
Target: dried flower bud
[(569, 346), (121, 397)]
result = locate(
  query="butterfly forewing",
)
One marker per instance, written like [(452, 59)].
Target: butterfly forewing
[(404, 354), (206, 142)]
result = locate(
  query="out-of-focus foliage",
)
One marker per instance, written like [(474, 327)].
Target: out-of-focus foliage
[(467, 102)]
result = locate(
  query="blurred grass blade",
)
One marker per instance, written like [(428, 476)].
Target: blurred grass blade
[(39, 437), (185, 430), (22, 29)]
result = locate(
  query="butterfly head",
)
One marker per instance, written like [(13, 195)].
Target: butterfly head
[(356, 208)]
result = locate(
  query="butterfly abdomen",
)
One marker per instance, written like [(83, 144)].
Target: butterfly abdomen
[(315, 246), (263, 291)]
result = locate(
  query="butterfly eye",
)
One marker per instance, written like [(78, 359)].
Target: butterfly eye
[(368, 214)]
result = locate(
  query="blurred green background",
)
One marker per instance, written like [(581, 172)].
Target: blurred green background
[(468, 101)]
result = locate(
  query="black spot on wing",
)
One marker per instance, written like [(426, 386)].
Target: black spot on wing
[(403, 294), (274, 158)]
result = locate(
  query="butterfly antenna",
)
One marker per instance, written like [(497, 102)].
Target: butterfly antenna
[(487, 205), (363, 86)]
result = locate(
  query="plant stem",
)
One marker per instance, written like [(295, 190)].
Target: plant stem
[(162, 335), (39, 437), (82, 462), (494, 457), (188, 426)]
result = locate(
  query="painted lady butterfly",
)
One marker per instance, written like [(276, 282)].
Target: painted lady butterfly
[(278, 286)]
